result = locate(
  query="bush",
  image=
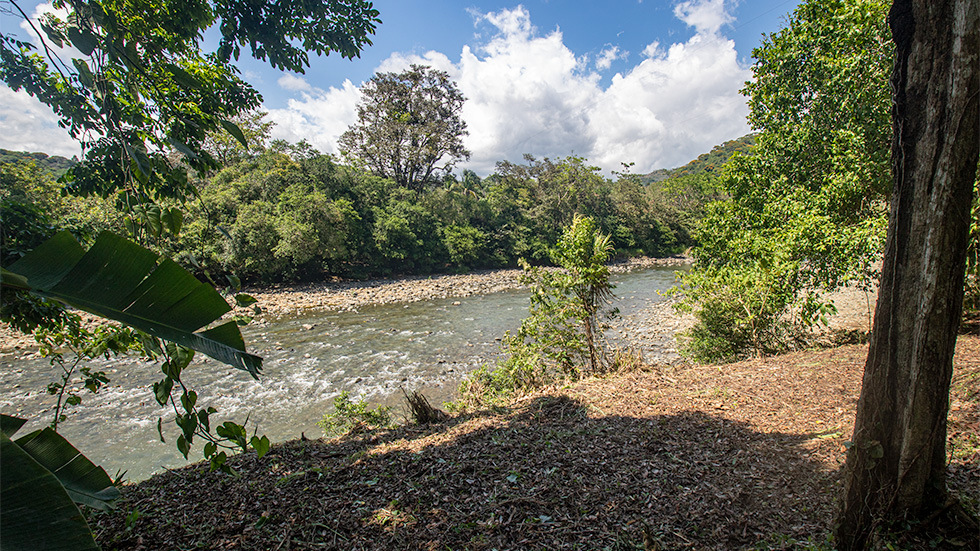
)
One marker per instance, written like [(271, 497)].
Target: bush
[(354, 415)]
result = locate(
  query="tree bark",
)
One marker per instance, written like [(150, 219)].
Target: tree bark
[(896, 465)]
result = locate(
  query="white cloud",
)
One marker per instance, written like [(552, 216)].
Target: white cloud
[(318, 116), (707, 16), (26, 124), (528, 93), (607, 57), (294, 83), (29, 125)]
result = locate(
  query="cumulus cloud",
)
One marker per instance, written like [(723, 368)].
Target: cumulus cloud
[(529, 93), (317, 116), (294, 83), (707, 16), (29, 125), (607, 57)]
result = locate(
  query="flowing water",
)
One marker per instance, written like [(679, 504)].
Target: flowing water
[(309, 359)]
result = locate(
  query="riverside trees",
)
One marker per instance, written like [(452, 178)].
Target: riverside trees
[(407, 124), (806, 211)]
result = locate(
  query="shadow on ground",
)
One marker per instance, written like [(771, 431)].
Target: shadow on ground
[(550, 474)]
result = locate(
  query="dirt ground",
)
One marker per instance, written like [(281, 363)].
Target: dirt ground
[(745, 455)]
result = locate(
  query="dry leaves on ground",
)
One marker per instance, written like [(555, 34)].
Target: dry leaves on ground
[(673, 457)]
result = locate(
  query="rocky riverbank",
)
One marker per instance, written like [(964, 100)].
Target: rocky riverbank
[(281, 300), (349, 295)]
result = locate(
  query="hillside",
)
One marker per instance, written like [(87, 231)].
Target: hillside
[(706, 162), (53, 164)]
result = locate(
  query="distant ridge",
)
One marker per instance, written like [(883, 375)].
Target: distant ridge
[(706, 162), (54, 164)]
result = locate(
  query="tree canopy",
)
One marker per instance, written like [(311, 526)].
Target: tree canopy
[(407, 124), (130, 81)]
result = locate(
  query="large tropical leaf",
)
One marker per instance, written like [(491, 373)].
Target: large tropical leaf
[(41, 474), (117, 279), (85, 482)]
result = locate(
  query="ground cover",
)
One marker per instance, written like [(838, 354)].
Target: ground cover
[(744, 455)]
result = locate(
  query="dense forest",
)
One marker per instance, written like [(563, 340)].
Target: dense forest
[(283, 212)]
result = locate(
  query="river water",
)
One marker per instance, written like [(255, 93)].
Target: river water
[(308, 360)]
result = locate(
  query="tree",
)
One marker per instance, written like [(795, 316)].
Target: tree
[(407, 124), (806, 211), (896, 462), (142, 86), (227, 150)]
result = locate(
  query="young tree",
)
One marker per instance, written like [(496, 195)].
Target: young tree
[(896, 464), (566, 304), (407, 124)]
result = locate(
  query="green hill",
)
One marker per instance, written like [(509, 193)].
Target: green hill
[(706, 162), (54, 164)]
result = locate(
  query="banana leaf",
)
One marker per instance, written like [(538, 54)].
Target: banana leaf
[(40, 475), (120, 280)]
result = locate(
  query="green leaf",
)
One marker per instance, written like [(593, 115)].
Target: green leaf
[(83, 39), (160, 429), (173, 220), (13, 280), (85, 75), (29, 488), (119, 280), (203, 417), (233, 129), (85, 482), (10, 424), (245, 300), (183, 446), (188, 400), (54, 35), (161, 391), (261, 445), (233, 280), (183, 78), (140, 161), (182, 147)]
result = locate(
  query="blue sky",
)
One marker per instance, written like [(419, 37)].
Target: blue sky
[(651, 82)]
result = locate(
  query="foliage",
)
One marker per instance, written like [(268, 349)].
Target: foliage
[(971, 295), (407, 124), (563, 335), (141, 97), (349, 415), (710, 162), (807, 211), (138, 84), (227, 150), (43, 472), (286, 215)]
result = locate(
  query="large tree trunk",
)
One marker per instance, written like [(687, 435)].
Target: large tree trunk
[(896, 464)]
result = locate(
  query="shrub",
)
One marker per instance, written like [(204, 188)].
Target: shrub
[(354, 415)]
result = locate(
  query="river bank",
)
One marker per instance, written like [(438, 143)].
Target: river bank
[(283, 300), (346, 295), (745, 455)]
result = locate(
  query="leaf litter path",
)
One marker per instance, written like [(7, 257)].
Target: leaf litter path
[(680, 457)]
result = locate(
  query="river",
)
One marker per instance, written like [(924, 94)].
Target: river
[(308, 359)]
